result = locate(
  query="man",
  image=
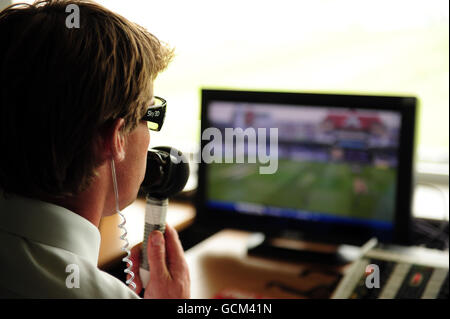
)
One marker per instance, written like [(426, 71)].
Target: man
[(72, 106)]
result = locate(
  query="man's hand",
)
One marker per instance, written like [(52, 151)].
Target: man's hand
[(169, 273)]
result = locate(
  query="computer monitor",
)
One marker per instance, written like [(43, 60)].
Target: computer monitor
[(327, 167)]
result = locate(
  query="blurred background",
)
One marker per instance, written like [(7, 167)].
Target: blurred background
[(391, 47), (349, 46)]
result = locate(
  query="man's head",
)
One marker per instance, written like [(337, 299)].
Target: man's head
[(72, 98)]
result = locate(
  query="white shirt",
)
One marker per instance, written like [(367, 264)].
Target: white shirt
[(46, 251)]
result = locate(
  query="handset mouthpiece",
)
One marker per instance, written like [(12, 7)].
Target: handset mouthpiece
[(167, 172)]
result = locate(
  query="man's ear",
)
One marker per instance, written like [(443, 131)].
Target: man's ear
[(117, 140), (111, 142)]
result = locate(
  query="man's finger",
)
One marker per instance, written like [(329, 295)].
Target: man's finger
[(174, 251), (156, 252)]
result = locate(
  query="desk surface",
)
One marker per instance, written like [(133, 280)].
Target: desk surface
[(219, 266), (179, 216)]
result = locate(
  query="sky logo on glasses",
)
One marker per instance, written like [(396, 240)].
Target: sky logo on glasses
[(151, 113)]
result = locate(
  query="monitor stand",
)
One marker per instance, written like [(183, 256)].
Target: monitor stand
[(260, 245)]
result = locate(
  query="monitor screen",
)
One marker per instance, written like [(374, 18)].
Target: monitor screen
[(323, 165)]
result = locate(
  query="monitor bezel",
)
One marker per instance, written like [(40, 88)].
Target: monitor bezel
[(405, 105)]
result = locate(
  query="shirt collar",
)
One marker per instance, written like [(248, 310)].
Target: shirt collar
[(49, 224)]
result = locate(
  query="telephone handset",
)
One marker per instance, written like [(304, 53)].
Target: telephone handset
[(166, 175)]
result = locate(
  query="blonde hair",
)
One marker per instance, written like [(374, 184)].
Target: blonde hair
[(60, 87)]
